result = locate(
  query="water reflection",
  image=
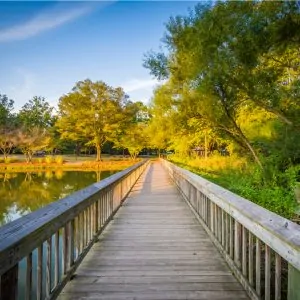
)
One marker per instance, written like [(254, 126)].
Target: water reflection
[(22, 193)]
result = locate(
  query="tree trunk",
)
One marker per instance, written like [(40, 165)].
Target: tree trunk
[(98, 148)]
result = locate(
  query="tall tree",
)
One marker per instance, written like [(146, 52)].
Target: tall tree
[(132, 134), (6, 108), (92, 111), (7, 126), (37, 112), (224, 55), (31, 140)]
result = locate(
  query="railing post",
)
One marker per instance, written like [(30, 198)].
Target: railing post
[(293, 283), (9, 284), (237, 243)]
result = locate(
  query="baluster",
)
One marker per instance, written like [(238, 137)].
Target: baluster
[(28, 277), (48, 266), (244, 252), (223, 228), (72, 241), (56, 258), (293, 283), (84, 228), (80, 233), (9, 284), (65, 251), (227, 233), (267, 272), (216, 227), (258, 267), (39, 280), (237, 243), (277, 276), (212, 216), (250, 258)]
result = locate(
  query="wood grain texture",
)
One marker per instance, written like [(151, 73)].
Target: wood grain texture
[(280, 234), (154, 249)]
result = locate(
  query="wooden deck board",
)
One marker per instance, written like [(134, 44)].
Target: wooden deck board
[(154, 249)]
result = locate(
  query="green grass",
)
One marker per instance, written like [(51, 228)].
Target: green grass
[(246, 180), (17, 163)]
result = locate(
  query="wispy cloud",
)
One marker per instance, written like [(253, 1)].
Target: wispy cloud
[(139, 84), (140, 89), (44, 21), (23, 88)]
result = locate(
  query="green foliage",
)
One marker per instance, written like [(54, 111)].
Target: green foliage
[(6, 108), (225, 60), (92, 113), (31, 140), (37, 112), (247, 180)]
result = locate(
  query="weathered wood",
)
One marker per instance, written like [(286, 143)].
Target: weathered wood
[(250, 259), (28, 288), (146, 245), (281, 234), (277, 277), (231, 237), (267, 273), (39, 279), (258, 266), (22, 236), (244, 252), (237, 243), (56, 258), (293, 283), (9, 284), (48, 266)]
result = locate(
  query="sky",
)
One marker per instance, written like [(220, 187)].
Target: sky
[(46, 47)]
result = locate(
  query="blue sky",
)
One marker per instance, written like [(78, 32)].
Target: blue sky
[(45, 47)]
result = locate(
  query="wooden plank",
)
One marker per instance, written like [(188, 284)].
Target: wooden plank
[(22, 236), (267, 272), (277, 277), (154, 279), (48, 266), (158, 295), (161, 286), (281, 234), (28, 277), (159, 252), (9, 284), (250, 259), (39, 280), (258, 267), (293, 283)]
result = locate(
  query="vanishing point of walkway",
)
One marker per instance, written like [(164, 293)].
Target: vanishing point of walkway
[(153, 249)]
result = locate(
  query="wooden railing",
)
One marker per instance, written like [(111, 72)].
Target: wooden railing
[(261, 248), (40, 251)]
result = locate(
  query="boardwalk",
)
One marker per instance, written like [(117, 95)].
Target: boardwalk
[(153, 249)]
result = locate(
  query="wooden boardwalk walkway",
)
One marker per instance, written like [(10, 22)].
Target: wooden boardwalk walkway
[(154, 249)]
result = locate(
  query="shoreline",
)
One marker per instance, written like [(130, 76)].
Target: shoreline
[(109, 165)]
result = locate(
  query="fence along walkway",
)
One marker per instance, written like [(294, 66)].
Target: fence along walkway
[(154, 248)]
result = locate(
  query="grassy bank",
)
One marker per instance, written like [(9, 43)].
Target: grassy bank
[(68, 163), (273, 191)]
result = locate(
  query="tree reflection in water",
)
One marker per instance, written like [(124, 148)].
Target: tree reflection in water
[(22, 193)]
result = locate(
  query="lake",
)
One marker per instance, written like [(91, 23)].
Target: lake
[(22, 193)]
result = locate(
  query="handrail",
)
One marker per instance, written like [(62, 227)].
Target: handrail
[(243, 232), (56, 237)]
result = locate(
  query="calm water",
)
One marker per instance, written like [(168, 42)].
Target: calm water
[(22, 193)]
